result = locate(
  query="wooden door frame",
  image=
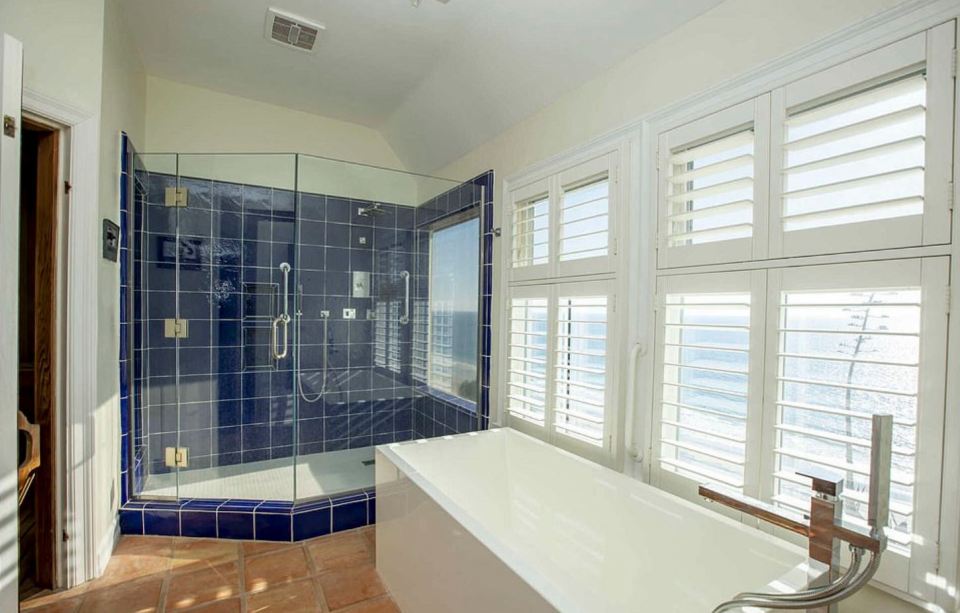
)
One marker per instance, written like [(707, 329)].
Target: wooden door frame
[(46, 370), (82, 553)]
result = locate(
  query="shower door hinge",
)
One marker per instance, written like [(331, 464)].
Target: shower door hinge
[(67, 187), (175, 457), (175, 197), (176, 328)]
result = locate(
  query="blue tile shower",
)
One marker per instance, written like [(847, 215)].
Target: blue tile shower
[(221, 436)]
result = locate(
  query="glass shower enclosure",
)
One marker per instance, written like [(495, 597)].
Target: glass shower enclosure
[(290, 312)]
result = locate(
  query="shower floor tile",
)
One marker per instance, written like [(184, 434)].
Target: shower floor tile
[(319, 474), (331, 573)]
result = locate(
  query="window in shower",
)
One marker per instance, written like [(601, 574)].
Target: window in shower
[(453, 315)]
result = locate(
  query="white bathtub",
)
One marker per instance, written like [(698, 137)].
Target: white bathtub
[(497, 521)]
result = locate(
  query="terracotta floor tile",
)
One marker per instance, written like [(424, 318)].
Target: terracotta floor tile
[(136, 558), (297, 597), (380, 605), (63, 605), (139, 597), (370, 533), (272, 569), (343, 588), (255, 548), (194, 554), (340, 551), (52, 598), (223, 606), (203, 585)]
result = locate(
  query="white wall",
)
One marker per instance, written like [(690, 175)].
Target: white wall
[(122, 109), (187, 119), (735, 37), (63, 42)]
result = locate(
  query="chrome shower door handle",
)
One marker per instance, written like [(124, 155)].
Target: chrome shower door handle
[(280, 351), (405, 318)]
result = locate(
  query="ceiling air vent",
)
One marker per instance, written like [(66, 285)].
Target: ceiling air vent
[(291, 30)]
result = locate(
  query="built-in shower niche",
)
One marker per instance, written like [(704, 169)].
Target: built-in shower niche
[(353, 375)]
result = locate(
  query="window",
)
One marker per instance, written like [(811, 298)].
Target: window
[(557, 338), (386, 346), (584, 216), (713, 187), (527, 359), (844, 356), (581, 367), (558, 379), (813, 224), (855, 161), (705, 374), (531, 238), (710, 197), (749, 396), (454, 287), (562, 224)]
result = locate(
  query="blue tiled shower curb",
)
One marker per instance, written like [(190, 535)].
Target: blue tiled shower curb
[(260, 520)]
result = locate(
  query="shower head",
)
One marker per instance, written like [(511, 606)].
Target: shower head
[(374, 210)]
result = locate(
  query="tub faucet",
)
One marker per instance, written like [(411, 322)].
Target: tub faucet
[(825, 529)]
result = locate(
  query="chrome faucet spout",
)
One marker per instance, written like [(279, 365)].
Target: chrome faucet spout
[(825, 530)]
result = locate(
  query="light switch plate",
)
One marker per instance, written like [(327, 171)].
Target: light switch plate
[(349, 313)]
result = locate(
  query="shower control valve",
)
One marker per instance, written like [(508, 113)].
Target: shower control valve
[(349, 313)]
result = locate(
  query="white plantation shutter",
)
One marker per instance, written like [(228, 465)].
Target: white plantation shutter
[(705, 395), (711, 191), (584, 219), (581, 367), (844, 342), (531, 232), (862, 151), (558, 377), (527, 352), (713, 188), (709, 359), (857, 159), (843, 356)]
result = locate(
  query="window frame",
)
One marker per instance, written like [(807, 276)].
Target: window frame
[(552, 185), (931, 275), (605, 452), (932, 50), (753, 283), (431, 230), (753, 113)]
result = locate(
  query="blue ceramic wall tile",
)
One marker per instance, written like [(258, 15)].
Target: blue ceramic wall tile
[(131, 521)]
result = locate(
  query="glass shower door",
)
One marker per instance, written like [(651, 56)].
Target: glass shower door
[(235, 264)]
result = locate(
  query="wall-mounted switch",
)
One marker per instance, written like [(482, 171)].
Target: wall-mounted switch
[(111, 240), (349, 313)]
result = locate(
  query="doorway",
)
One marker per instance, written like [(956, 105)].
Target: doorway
[(37, 356)]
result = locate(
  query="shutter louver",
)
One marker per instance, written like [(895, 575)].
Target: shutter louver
[(843, 356), (705, 386), (710, 192), (856, 159), (584, 218), (581, 366), (531, 232), (527, 359)]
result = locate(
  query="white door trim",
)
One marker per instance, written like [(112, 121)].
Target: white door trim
[(82, 561), (11, 63)]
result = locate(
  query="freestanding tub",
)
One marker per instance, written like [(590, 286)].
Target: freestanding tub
[(497, 522)]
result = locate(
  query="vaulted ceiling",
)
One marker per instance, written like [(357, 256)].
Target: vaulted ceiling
[(437, 80)]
